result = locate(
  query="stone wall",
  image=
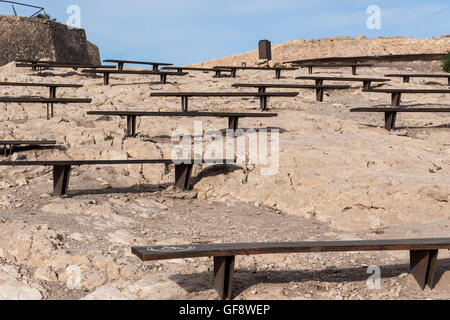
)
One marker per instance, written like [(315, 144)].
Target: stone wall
[(340, 47), (32, 38)]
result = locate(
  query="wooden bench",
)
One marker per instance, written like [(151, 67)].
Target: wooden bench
[(396, 94), (155, 65), (62, 169), (391, 113), (233, 117), (44, 66), (407, 76), (48, 101), (186, 95), (423, 255), (233, 69), (320, 89), (320, 79), (162, 74), (18, 143), (180, 69), (353, 66), (52, 88)]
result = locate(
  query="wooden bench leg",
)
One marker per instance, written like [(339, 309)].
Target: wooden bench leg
[(120, 66), (423, 267), (106, 79), (184, 104), (390, 118), (366, 85), (183, 176), (354, 70), (319, 94), (61, 176), (223, 276), (164, 78), (396, 99), (233, 123), (310, 70), (278, 74), (263, 103), (131, 126)]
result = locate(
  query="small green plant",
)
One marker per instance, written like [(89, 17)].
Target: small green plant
[(44, 17), (109, 138), (446, 63)]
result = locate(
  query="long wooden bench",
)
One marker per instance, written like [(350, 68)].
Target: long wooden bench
[(423, 255), (52, 88), (396, 94), (162, 74), (18, 143), (320, 79), (233, 69), (391, 113), (44, 66), (47, 101), (331, 65), (62, 169), (182, 69), (186, 95), (407, 76), (320, 89), (120, 63), (233, 117)]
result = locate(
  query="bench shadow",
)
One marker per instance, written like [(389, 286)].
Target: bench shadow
[(139, 83), (442, 126), (244, 279), (144, 188), (215, 170)]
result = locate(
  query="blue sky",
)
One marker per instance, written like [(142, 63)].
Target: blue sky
[(189, 31)]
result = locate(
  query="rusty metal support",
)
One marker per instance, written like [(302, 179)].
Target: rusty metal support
[(263, 102), (233, 123), (366, 84), (423, 267), (164, 78), (120, 66), (390, 118), (354, 70), (310, 69), (223, 276), (131, 126), (184, 103), (278, 74), (319, 94), (106, 78), (61, 176), (183, 176), (396, 99)]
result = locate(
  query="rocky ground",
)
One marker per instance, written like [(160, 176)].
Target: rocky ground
[(341, 176)]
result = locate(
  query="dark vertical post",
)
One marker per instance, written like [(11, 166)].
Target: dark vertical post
[(183, 176), (106, 78), (319, 82), (120, 66), (366, 85), (354, 70), (184, 103), (261, 89), (396, 99), (406, 79), (223, 276), (319, 94), (263, 103), (389, 118), (155, 67), (233, 72), (278, 73), (52, 96), (61, 176), (131, 126), (233, 123), (448, 81), (423, 266), (164, 78), (310, 69)]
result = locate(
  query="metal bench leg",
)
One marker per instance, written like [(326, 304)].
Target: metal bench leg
[(183, 176), (310, 70), (354, 70), (396, 99), (155, 67), (52, 96), (261, 89), (223, 276), (131, 126), (233, 73), (406, 79), (61, 176), (423, 267), (319, 82), (233, 123), (106, 79), (263, 103), (319, 94), (278, 74), (184, 104), (120, 66), (366, 85), (390, 118), (164, 78), (449, 81), (217, 74), (179, 70)]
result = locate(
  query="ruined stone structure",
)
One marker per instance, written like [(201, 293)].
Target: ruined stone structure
[(33, 38)]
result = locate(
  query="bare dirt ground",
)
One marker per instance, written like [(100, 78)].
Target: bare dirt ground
[(342, 176)]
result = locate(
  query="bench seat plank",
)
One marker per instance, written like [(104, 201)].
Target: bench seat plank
[(233, 70), (49, 85), (162, 74)]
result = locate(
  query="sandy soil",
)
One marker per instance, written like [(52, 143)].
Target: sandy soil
[(341, 176)]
